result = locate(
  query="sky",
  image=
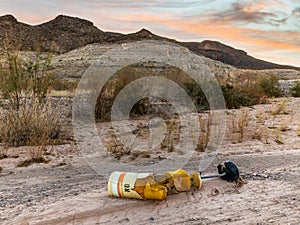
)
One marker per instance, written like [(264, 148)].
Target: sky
[(268, 29)]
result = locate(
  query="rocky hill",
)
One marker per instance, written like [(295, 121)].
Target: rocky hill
[(60, 35), (229, 55), (65, 33)]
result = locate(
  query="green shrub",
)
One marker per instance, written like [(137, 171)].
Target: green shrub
[(251, 91), (246, 91), (21, 80), (295, 91), (197, 95), (235, 97), (270, 86), (129, 74)]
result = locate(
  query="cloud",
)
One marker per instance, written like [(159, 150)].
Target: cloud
[(147, 4), (256, 42), (275, 22), (227, 32), (246, 12), (296, 12)]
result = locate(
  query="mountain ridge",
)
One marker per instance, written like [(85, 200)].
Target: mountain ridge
[(66, 33)]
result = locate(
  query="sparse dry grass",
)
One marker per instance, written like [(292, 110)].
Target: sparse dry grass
[(261, 134), (240, 122), (115, 147), (30, 161), (262, 117), (278, 137), (205, 128), (33, 124), (284, 126), (280, 108), (172, 136)]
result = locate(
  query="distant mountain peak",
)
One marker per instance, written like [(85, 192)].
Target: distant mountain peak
[(8, 17), (63, 16), (69, 19), (144, 31)]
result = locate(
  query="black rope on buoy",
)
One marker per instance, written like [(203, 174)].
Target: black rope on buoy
[(227, 171)]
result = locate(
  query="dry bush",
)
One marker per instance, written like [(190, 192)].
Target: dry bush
[(278, 137), (172, 136), (258, 133), (29, 118), (33, 124), (115, 147), (36, 155), (34, 159), (284, 126), (205, 122), (262, 117), (280, 108), (239, 123), (111, 89), (250, 89), (261, 133)]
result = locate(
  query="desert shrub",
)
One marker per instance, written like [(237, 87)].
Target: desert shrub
[(235, 97), (280, 108), (251, 91), (115, 147), (28, 162), (270, 86), (295, 91), (248, 91), (205, 122), (172, 134), (32, 124), (240, 122), (131, 73), (29, 118), (110, 90), (197, 95), (21, 80)]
